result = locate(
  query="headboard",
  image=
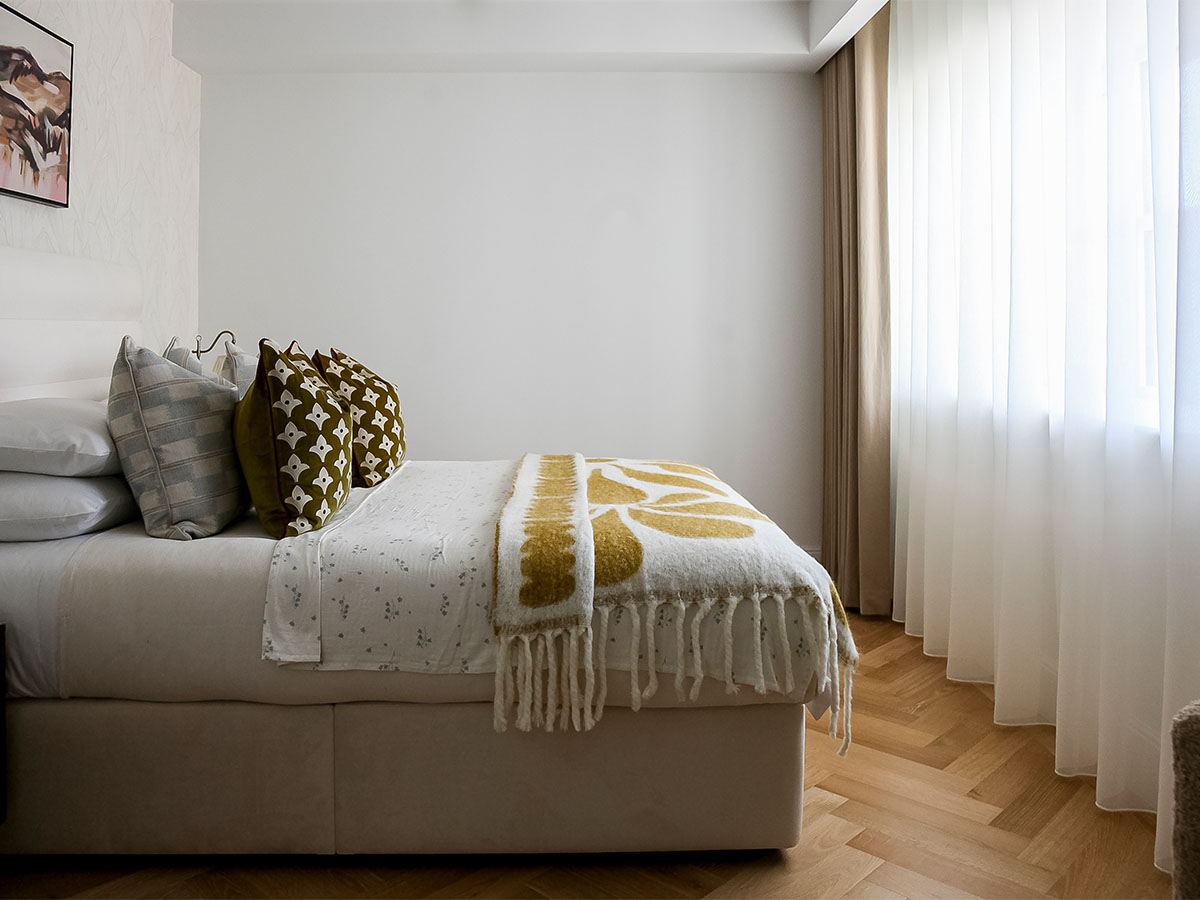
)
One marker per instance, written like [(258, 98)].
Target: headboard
[(61, 322)]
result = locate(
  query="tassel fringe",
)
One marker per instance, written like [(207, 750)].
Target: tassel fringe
[(731, 605), (680, 666), (560, 678)]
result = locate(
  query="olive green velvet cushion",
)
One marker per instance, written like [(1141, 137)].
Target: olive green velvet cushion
[(293, 441), (374, 407)]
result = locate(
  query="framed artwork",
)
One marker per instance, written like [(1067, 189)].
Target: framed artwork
[(35, 110)]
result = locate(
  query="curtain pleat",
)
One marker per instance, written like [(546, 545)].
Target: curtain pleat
[(855, 512), (1045, 352)]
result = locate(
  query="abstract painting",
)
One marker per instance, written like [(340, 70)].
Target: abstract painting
[(35, 110)]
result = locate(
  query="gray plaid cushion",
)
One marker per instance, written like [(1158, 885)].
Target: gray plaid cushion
[(239, 366), (177, 353), (174, 433)]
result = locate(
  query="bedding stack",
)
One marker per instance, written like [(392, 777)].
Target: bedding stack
[(555, 574), (548, 573), (60, 474)]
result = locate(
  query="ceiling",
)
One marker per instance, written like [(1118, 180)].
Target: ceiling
[(328, 36)]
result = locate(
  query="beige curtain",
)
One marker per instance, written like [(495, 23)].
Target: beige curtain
[(856, 542)]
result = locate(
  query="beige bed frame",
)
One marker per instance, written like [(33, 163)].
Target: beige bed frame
[(115, 776), (123, 776)]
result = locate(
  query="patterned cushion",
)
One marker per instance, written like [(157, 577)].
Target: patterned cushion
[(293, 439), (374, 408), (239, 367), (177, 353), (174, 433)]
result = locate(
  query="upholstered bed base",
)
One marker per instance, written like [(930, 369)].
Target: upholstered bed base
[(116, 776)]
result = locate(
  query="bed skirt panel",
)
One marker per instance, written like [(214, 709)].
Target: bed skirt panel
[(699, 778), (121, 776), (118, 776)]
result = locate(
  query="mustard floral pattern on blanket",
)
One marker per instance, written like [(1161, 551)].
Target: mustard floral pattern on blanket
[(678, 499)]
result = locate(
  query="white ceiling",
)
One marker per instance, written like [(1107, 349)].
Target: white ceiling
[(316, 36)]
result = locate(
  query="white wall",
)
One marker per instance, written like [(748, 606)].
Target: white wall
[(615, 263), (135, 158)]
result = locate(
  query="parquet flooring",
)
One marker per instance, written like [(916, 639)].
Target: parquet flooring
[(934, 801)]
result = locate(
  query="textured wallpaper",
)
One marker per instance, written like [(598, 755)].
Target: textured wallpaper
[(135, 157)]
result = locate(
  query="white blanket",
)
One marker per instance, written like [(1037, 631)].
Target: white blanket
[(579, 538)]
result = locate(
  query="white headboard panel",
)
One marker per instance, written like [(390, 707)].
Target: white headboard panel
[(61, 322)]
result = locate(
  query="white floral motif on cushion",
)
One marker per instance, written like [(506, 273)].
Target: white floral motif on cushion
[(323, 481), (298, 498), (286, 402), (294, 467), (322, 447), (341, 431), (312, 384), (317, 415), (291, 434)]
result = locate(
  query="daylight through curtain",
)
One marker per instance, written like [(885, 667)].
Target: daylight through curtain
[(1045, 367)]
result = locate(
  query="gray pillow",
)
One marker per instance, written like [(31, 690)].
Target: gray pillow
[(48, 507), (182, 356), (56, 436), (239, 366), (174, 433)]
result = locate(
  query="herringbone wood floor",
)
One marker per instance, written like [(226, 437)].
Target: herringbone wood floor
[(933, 801)]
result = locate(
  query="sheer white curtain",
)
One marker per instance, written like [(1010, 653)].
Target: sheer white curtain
[(1046, 354)]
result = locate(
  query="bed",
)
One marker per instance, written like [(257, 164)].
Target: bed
[(143, 717)]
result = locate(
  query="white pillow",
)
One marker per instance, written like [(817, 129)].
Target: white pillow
[(56, 436), (48, 507)]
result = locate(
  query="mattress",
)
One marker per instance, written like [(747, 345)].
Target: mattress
[(124, 616)]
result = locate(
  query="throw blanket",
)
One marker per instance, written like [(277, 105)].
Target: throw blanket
[(579, 538)]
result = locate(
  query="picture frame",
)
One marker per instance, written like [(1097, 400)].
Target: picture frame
[(36, 98)]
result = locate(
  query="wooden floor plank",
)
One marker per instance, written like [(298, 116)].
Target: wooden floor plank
[(956, 847), (996, 838), (821, 866), (907, 883), (952, 874), (153, 882)]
